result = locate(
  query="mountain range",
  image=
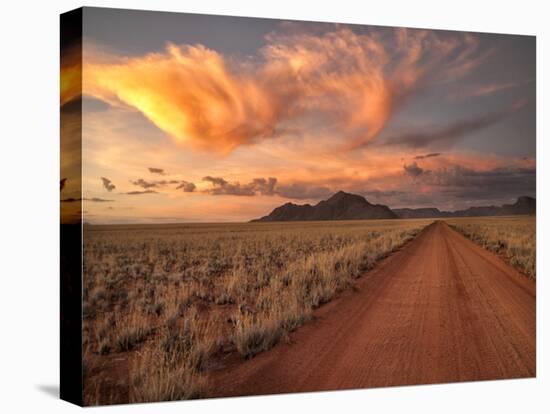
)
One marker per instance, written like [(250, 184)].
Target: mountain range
[(346, 206)]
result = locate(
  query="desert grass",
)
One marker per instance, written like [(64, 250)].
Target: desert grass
[(170, 299), (514, 237)]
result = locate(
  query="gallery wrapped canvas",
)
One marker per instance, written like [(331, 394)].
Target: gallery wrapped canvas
[(257, 206)]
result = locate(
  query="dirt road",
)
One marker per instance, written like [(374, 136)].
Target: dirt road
[(442, 309)]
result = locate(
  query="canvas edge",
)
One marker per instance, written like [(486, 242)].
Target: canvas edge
[(71, 358)]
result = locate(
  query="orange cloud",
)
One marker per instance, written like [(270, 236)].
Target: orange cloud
[(71, 74), (70, 83), (189, 93), (348, 83), (476, 91), (341, 75)]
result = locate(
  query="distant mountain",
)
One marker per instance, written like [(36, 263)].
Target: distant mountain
[(523, 206), (341, 206), (427, 212), (346, 206)]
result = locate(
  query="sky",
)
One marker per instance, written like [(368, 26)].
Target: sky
[(194, 118)]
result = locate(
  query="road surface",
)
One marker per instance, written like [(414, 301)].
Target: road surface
[(441, 309)]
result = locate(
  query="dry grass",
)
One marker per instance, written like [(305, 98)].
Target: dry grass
[(514, 237), (169, 299)]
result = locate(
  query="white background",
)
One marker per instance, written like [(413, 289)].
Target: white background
[(29, 185)]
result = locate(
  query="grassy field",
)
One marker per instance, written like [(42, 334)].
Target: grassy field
[(514, 237), (163, 303)]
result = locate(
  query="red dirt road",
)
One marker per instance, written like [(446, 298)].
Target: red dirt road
[(441, 309)]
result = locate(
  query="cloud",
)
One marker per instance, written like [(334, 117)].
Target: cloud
[(186, 186), (260, 186), (191, 94), (221, 186), (153, 170), (413, 170), (141, 192), (457, 186), (144, 184), (108, 184), (71, 73), (98, 200), (457, 175), (447, 136), (430, 155), (93, 200), (449, 185), (486, 89), (348, 82), (264, 186), (267, 187)]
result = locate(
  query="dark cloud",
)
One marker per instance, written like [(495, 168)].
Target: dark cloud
[(490, 180), (140, 182), (62, 183), (457, 187), (98, 200), (451, 187), (486, 89), (93, 200), (413, 170), (267, 187), (108, 184), (222, 187), (186, 186), (430, 155), (261, 186), (141, 192), (454, 187), (70, 200), (445, 137), (153, 170), (145, 184)]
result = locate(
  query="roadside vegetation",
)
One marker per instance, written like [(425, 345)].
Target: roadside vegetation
[(512, 237), (163, 304)]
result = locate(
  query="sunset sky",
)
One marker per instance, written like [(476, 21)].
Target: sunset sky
[(211, 118)]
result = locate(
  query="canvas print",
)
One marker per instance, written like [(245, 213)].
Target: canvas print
[(257, 206)]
